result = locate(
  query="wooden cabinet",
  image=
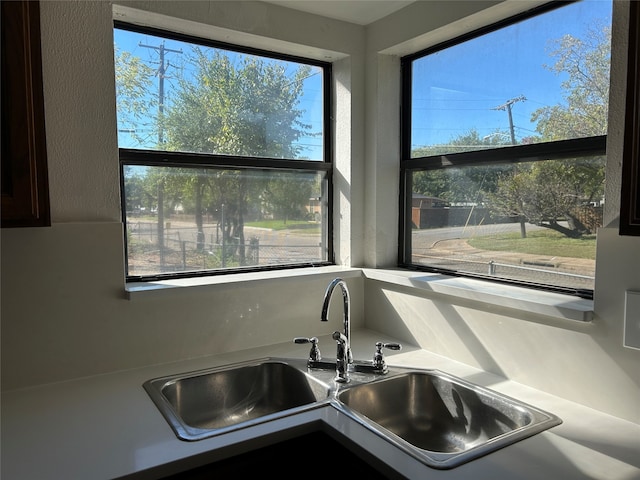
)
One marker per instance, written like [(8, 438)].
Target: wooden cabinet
[(24, 178), (630, 194)]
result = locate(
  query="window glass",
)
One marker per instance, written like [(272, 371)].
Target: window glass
[(528, 213), (180, 96), (542, 79), (248, 218), (534, 222), (224, 164)]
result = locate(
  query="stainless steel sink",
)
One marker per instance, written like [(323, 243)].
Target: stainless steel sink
[(440, 419), (210, 402)]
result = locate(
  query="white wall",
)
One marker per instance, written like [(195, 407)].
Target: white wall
[(586, 363), (63, 309), (64, 312)]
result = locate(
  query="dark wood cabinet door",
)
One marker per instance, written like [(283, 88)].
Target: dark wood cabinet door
[(24, 177), (630, 194)]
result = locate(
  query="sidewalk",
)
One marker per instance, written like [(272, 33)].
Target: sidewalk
[(458, 254)]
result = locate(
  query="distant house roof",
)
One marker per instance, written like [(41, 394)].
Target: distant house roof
[(423, 201)]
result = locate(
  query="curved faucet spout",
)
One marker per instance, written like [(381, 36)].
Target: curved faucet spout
[(346, 302)]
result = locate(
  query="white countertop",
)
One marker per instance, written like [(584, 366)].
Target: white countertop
[(107, 427)]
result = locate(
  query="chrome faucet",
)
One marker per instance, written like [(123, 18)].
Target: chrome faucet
[(343, 343)]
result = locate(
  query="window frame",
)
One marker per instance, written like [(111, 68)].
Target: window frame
[(160, 158), (554, 150)]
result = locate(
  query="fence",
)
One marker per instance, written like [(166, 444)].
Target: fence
[(184, 249), (438, 217)]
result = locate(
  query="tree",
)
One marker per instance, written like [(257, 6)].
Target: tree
[(247, 109), (540, 194), (469, 141), (586, 63), (457, 185), (227, 104), (552, 191), (243, 106), (547, 193), (134, 80), (287, 193)]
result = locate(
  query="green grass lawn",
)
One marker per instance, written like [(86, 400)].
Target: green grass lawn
[(308, 227), (539, 242)]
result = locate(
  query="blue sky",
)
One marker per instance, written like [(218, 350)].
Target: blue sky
[(311, 102), (458, 89), (455, 90)]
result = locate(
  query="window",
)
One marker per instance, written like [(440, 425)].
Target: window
[(503, 150), (224, 156)]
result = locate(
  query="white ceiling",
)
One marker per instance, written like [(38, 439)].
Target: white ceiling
[(361, 12)]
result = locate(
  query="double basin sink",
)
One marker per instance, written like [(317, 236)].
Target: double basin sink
[(441, 420)]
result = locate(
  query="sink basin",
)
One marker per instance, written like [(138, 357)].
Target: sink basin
[(440, 419), (209, 402)]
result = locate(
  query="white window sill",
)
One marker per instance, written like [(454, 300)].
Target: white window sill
[(136, 290), (523, 299)]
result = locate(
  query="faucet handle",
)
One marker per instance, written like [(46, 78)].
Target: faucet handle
[(390, 346), (378, 357), (314, 353)]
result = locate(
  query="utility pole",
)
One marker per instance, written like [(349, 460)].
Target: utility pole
[(507, 106), (161, 73)]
